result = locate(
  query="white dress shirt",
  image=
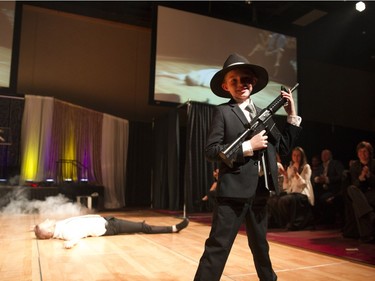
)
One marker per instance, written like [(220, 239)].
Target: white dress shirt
[(79, 227)]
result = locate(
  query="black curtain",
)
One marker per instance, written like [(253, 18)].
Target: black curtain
[(11, 112), (139, 165), (198, 175), (166, 164), (181, 174)]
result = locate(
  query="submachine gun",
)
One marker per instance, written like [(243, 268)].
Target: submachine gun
[(259, 123)]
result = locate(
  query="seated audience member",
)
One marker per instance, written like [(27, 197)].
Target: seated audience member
[(329, 207), (212, 192), (315, 167), (293, 208), (75, 228), (349, 229), (361, 192), (208, 201), (281, 171), (273, 212)]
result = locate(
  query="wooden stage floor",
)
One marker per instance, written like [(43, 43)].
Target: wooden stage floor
[(142, 257)]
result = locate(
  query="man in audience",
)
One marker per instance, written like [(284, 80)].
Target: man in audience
[(327, 189), (361, 192)]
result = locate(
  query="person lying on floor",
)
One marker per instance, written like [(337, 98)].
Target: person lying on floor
[(75, 228)]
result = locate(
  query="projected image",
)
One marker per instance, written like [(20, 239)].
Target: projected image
[(7, 10), (190, 49)]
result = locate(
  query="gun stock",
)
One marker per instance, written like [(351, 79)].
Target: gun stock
[(258, 123)]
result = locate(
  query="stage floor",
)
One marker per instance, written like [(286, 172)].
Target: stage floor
[(157, 257)]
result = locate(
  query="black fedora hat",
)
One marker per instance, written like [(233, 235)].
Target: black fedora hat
[(235, 61)]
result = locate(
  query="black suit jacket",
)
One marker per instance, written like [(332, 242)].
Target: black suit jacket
[(335, 173), (241, 181), (356, 170)]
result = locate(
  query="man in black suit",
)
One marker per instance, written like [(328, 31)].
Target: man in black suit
[(241, 191), (361, 192), (327, 190)]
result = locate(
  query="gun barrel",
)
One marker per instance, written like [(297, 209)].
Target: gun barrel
[(295, 87)]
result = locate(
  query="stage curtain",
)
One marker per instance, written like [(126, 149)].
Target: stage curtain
[(198, 171), (36, 138), (76, 143), (139, 169), (181, 174), (11, 111), (114, 152), (63, 141), (166, 169)]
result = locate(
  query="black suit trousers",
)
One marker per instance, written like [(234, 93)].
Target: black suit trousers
[(117, 226), (228, 216)]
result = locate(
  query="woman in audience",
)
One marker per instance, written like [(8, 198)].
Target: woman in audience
[(295, 206)]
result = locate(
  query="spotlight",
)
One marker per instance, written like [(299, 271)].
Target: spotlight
[(49, 182), (84, 181), (360, 6)]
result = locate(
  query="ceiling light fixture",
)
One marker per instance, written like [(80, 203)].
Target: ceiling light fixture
[(360, 6)]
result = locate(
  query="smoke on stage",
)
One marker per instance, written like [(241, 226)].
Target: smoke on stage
[(16, 202)]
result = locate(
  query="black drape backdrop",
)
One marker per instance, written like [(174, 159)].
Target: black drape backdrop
[(11, 111), (198, 175), (166, 174), (139, 165), (181, 174)]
